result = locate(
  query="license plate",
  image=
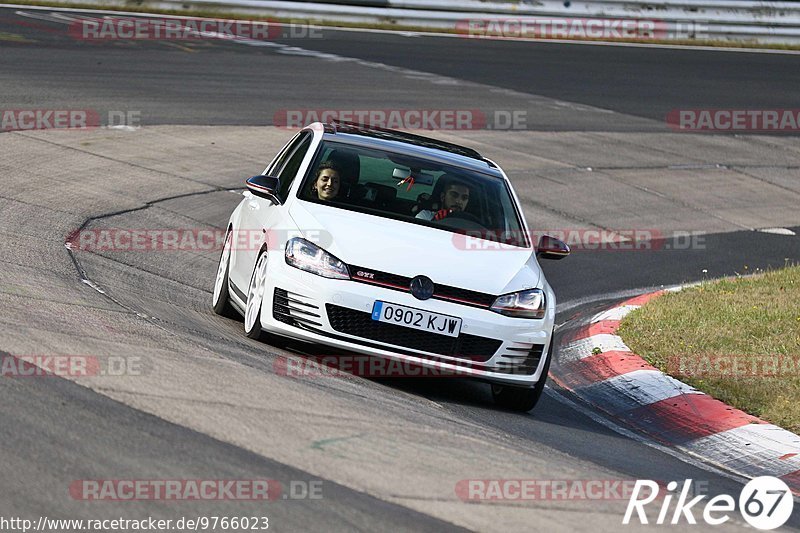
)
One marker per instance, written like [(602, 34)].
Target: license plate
[(416, 319)]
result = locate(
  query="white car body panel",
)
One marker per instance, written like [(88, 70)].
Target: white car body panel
[(408, 250)]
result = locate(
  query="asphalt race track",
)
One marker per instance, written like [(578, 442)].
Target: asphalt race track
[(206, 402)]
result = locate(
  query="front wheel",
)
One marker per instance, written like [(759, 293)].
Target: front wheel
[(522, 398), (255, 297), (221, 298)]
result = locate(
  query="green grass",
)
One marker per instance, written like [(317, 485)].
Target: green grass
[(737, 340), (140, 6)]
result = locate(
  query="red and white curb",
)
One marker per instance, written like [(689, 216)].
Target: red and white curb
[(623, 385)]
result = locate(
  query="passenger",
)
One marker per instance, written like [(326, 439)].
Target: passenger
[(453, 198), (327, 182)]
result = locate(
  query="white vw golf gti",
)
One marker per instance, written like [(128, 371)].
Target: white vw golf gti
[(398, 246)]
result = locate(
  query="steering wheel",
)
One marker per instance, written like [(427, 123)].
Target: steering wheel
[(463, 221), (464, 215)]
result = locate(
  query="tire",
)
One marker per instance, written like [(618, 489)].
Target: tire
[(220, 299), (255, 298), (522, 399)]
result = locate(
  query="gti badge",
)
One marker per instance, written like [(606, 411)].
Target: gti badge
[(421, 287)]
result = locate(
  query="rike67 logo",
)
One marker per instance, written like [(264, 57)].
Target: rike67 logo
[(765, 503)]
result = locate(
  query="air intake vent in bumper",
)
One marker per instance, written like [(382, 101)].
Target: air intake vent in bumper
[(294, 309), (520, 359)]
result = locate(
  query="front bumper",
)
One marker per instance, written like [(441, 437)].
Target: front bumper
[(337, 313)]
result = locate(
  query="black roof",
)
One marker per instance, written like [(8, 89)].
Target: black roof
[(387, 134)]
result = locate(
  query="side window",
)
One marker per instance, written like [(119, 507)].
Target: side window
[(292, 160)]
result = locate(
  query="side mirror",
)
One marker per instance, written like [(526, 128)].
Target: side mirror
[(551, 248), (265, 187)]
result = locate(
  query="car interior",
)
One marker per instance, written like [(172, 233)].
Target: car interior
[(401, 186)]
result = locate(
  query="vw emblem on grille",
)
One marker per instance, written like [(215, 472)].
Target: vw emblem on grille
[(421, 287)]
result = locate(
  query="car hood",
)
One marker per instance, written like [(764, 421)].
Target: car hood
[(410, 250)]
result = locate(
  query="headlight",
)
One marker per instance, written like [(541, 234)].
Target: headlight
[(524, 304), (309, 257)]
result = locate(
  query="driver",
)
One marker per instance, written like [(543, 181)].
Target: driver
[(454, 198)]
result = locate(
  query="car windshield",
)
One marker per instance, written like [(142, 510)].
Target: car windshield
[(414, 190)]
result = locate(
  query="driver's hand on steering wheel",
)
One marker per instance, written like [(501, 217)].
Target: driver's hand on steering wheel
[(441, 213)]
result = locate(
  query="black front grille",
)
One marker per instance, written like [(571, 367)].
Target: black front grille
[(481, 299), (360, 324), (403, 283)]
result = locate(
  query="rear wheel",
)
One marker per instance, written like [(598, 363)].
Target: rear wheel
[(221, 298), (255, 297), (522, 398)]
